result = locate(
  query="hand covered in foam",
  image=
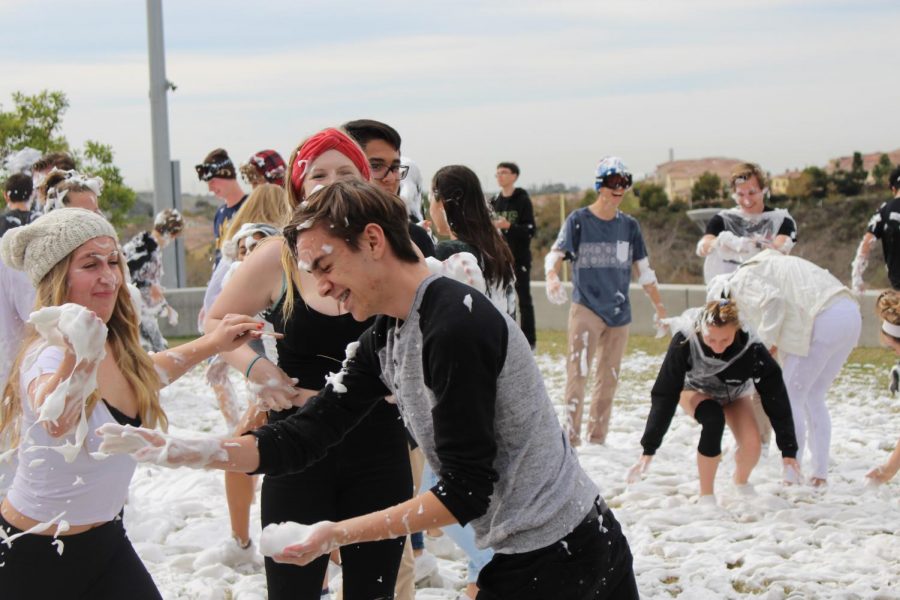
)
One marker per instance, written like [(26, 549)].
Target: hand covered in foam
[(271, 387), (556, 293), (171, 316), (83, 335), (148, 445), (638, 470), (320, 539), (462, 266)]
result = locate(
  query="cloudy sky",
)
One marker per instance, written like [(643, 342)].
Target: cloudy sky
[(553, 85)]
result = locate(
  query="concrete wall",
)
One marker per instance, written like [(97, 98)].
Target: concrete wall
[(675, 297)]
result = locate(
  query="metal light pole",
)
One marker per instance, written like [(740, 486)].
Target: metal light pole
[(164, 170)]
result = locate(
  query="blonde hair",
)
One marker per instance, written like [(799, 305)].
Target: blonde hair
[(887, 307), (134, 363), (744, 171), (719, 313), (267, 204)]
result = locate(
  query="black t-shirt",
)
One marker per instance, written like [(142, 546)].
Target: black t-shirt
[(518, 211), (421, 239), (13, 217), (716, 225), (885, 225)]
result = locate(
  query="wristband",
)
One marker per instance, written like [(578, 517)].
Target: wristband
[(250, 366)]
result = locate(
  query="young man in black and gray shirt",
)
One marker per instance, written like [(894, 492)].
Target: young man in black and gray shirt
[(467, 385)]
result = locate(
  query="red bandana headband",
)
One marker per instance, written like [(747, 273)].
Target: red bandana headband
[(318, 144)]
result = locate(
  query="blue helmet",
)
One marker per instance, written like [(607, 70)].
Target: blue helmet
[(611, 165)]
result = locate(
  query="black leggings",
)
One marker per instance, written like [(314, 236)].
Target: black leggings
[(366, 472), (592, 562), (99, 564), (525, 303)]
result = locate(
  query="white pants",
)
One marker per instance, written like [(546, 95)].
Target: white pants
[(807, 378)]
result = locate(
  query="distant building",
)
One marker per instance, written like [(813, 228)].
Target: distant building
[(677, 177), (779, 183)]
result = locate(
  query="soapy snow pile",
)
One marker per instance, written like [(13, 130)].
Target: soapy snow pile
[(794, 542)]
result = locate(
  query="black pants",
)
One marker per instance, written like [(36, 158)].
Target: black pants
[(99, 564), (592, 562), (525, 304), (366, 472)]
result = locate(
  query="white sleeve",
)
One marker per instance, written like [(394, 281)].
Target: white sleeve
[(646, 275), (46, 361)]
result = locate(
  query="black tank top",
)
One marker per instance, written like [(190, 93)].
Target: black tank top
[(314, 344)]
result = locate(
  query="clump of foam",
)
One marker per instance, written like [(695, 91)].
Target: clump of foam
[(278, 536)]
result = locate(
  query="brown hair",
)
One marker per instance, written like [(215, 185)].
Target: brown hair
[(719, 313), (744, 171), (347, 207), (267, 203), (60, 160), (887, 306)]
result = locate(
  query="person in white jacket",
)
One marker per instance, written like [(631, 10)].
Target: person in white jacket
[(803, 312)]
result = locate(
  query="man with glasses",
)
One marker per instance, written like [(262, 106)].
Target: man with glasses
[(218, 171), (381, 144), (605, 246), (515, 220)]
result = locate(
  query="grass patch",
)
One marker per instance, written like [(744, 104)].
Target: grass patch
[(555, 342)]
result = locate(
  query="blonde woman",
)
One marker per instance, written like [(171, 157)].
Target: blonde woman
[(711, 369), (370, 468), (83, 360)]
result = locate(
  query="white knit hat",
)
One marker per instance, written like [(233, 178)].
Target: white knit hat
[(37, 247)]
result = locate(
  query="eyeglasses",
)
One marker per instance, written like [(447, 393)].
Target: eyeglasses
[(616, 181), (379, 172)]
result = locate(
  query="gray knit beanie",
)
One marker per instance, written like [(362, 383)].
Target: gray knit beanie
[(37, 247)]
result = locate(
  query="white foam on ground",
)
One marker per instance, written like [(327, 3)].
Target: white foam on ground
[(782, 542)]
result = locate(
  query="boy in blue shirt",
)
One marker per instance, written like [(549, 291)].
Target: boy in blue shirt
[(605, 246)]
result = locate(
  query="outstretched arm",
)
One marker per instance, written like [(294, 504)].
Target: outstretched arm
[(424, 511), (885, 472), (230, 333)]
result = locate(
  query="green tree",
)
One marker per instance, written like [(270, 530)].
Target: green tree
[(36, 122), (881, 170), (706, 190), (117, 198), (651, 196), (817, 182), (850, 183)]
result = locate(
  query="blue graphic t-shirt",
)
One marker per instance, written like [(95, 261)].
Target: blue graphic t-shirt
[(602, 253)]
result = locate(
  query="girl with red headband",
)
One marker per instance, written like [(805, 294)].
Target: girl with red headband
[(369, 470)]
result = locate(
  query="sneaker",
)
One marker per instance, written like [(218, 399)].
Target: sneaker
[(707, 500), (894, 385), (229, 553), (745, 489), (426, 565)]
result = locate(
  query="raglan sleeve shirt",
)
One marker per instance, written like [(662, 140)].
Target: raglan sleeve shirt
[(665, 393), (303, 438), (463, 353)]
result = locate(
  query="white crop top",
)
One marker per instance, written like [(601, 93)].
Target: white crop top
[(86, 490)]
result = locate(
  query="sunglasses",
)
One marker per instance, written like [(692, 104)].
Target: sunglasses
[(616, 181)]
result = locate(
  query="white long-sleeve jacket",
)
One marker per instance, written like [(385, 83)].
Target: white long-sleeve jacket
[(780, 296)]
